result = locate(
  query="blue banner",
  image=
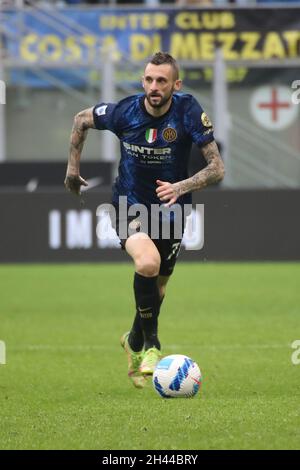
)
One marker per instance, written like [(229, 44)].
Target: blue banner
[(76, 37)]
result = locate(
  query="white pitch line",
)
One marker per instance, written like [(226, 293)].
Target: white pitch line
[(175, 347), (232, 346)]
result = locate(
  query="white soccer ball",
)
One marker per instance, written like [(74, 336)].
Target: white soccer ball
[(177, 376)]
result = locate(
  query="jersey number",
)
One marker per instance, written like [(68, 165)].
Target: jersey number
[(175, 250)]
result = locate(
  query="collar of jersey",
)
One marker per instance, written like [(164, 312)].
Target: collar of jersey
[(142, 105)]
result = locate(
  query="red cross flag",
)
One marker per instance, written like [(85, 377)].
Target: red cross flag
[(272, 107)]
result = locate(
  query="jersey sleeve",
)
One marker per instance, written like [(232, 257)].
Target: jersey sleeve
[(104, 117), (198, 124)]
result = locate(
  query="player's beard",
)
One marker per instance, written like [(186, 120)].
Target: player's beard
[(160, 103)]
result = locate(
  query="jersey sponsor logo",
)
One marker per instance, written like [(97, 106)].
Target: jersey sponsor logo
[(101, 110), (140, 149), (151, 135), (205, 120), (169, 134)]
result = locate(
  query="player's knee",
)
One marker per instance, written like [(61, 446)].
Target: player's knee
[(148, 265)]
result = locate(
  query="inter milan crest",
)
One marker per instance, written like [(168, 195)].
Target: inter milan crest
[(205, 120), (151, 135), (169, 134)]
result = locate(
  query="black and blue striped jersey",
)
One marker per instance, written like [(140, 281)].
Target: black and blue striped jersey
[(153, 148)]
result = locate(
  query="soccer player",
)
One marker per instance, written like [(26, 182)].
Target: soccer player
[(156, 130)]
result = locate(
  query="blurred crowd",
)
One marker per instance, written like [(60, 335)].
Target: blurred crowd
[(145, 2)]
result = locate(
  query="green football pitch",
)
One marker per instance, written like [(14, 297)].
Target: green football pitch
[(64, 384)]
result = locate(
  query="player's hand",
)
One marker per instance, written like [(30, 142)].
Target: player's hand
[(167, 192), (74, 182)]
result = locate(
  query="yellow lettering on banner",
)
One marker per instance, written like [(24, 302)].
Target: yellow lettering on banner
[(112, 22), (161, 21), (207, 46), (133, 21), (141, 46), (146, 22), (292, 38), (26, 47), (227, 20), (185, 20), (211, 20), (90, 42), (248, 50), (208, 74), (184, 46), (228, 40), (110, 42), (206, 20), (241, 73), (273, 46), (73, 51), (50, 47), (233, 74), (194, 75), (120, 22), (236, 75), (192, 46), (149, 21)]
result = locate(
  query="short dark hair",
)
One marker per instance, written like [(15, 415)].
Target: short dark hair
[(160, 58)]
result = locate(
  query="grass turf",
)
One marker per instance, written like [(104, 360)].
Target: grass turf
[(65, 386)]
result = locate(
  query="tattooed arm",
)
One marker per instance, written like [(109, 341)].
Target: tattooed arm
[(83, 121), (212, 173)]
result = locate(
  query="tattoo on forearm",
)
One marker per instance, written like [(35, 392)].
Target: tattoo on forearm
[(211, 174), (82, 123), (78, 136)]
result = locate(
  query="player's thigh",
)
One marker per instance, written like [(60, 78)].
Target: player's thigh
[(169, 250), (144, 253)]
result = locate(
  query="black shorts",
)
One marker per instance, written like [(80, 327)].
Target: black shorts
[(167, 238)]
